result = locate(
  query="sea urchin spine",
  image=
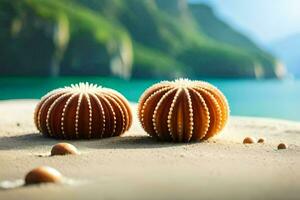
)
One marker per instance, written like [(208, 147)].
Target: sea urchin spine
[(83, 111), (183, 110)]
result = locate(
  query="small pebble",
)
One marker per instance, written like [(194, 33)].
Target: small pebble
[(64, 149), (261, 140), (248, 140), (281, 146), (43, 175)]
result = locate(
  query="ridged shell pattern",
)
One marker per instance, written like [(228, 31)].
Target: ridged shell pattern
[(83, 111), (183, 110)]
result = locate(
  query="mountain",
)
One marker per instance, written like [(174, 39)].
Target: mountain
[(127, 38), (288, 49), (59, 38), (217, 29), (265, 65)]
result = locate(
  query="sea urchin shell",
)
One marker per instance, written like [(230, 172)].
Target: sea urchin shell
[(83, 111), (183, 110)]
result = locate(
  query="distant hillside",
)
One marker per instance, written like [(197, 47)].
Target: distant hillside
[(288, 49), (265, 64), (220, 31), (127, 38)]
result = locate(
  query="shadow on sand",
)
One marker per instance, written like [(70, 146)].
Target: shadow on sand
[(26, 141), (128, 142), (34, 140)]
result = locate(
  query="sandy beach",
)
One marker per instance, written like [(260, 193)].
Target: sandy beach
[(135, 166)]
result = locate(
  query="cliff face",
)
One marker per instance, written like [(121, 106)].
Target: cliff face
[(54, 38), (127, 38)]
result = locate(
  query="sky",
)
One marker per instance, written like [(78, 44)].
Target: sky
[(266, 21)]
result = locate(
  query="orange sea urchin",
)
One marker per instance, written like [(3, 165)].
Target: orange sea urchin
[(83, 111), (183, 110)]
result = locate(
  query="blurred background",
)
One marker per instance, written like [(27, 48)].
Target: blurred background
[(250, 49)]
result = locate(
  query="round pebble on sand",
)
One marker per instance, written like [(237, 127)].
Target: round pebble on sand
[(248, 140), (64, 149), (281, 146), (43, 174), (261, 140)]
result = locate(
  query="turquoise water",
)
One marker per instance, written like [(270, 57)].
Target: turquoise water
[(265, 98)]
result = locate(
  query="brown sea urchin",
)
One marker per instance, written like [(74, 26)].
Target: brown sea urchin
[(83, 111), (183, 110)]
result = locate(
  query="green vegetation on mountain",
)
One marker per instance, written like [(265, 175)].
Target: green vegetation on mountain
[(127, 38)]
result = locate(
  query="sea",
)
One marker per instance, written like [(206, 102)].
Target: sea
[(259, 98)]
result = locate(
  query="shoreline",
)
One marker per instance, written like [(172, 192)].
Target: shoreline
[(134, 166)]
